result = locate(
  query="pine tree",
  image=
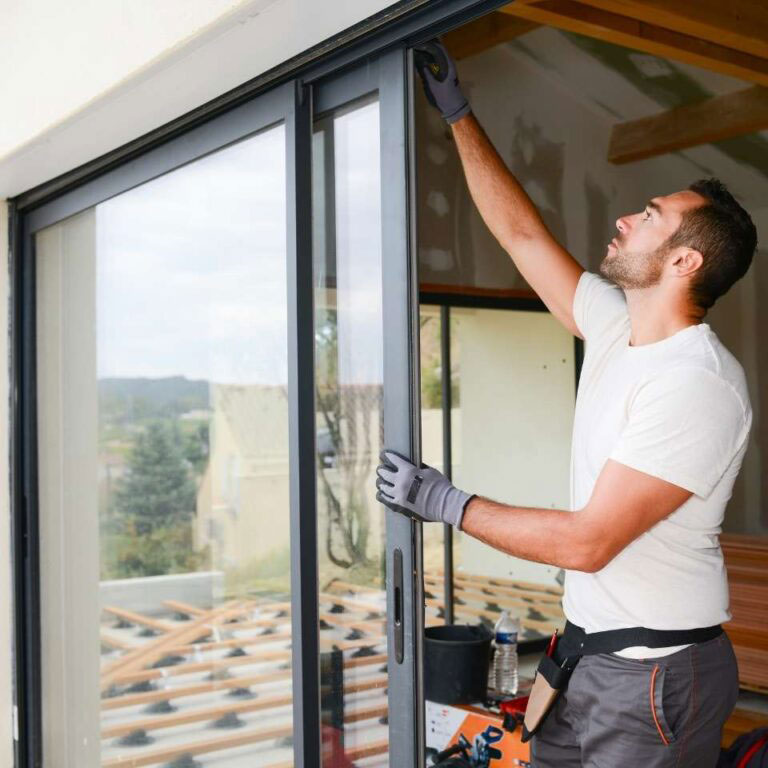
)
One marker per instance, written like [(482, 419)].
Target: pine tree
[(158, 490), (150, 533)]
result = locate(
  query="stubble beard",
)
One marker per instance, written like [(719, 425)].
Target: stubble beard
[(631, 271)]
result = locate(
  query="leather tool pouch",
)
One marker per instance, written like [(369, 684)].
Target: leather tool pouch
[(548, 684)]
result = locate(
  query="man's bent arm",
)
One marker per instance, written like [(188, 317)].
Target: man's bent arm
[(625, 503), (551, 536)]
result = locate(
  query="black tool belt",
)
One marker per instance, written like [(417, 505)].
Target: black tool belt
[(576, 642), (554, 671)]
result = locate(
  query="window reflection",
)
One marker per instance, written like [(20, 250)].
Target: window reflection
[(164, 470), (349, 349)]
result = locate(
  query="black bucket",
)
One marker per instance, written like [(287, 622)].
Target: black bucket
[(456, 658)]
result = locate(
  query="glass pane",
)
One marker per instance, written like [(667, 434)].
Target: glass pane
[(433, 536), (349, 388), (162, 369), (511, 440)]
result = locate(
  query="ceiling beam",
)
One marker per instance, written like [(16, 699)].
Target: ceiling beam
[(485, 32), (642, 36), (721, 117), (738, 24)]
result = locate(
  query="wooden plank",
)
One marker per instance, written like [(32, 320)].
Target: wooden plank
[(547, 627), (349, 586), (116, 642), (178, 605), (642, 36), (210, 686), (471, 290), (493, 581), (485, 32), (151, 652), (138, 618), (738, 24), (128, 676), (476, 595), (207, 746), (207, 714), (215, 665), (721, 117), (493, 589), (354, 604)]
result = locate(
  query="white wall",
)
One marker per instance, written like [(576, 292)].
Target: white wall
[(89, 76)]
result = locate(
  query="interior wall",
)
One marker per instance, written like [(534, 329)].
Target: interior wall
[(512, 430), (555, 141)]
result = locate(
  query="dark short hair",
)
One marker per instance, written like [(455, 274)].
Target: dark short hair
[(723, 232)]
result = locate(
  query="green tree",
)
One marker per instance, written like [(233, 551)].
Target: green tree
[(158, 490), (154, 507)]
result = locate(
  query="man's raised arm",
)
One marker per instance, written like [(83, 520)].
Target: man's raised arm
[(504, 205)]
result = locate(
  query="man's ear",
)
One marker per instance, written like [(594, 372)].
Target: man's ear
[(686, 261)]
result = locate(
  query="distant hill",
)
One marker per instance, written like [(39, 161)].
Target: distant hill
[(138, 398)]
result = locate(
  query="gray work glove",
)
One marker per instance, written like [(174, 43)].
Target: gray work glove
[(421, 493), (441, 83)]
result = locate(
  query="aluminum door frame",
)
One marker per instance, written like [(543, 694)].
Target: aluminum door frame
[(391, 75), (288, 104)]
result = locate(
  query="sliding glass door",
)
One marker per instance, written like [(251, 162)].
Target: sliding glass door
[(164, 470), (368, 616), (216, 340)]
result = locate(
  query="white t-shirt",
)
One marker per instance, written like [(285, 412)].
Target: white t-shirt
[(678, 409)]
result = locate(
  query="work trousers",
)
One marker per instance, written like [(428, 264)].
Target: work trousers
[(663, 712)]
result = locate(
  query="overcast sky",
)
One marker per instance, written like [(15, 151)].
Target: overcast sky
[(191, 266)]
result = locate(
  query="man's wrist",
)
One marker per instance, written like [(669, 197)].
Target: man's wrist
[(470, 507), (458, 114), (464, 508)]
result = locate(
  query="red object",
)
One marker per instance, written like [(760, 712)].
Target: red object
[(751, 751), (511, 706), (552, 642)]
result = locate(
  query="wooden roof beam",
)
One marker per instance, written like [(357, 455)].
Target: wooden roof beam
[(485, 32), (738, 24), (642, 36), (721, 117)]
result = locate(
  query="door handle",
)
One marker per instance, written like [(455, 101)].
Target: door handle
[(397, 617)]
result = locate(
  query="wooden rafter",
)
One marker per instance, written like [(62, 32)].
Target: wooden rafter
[(721, 117), (738, 24), (485, 32), (643, 36)]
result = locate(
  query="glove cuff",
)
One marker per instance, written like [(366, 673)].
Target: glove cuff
[(458, 113), (462, 501)]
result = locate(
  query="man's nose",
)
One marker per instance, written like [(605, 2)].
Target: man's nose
[(621, 225)]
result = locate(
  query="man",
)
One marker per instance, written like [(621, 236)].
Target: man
[(661, 425)]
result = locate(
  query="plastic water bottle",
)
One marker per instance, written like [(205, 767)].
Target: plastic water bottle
[(505, 658), (492, 665)]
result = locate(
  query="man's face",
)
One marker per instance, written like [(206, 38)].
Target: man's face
[(635, 258)]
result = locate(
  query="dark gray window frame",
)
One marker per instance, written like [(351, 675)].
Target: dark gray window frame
[(282, 94)]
